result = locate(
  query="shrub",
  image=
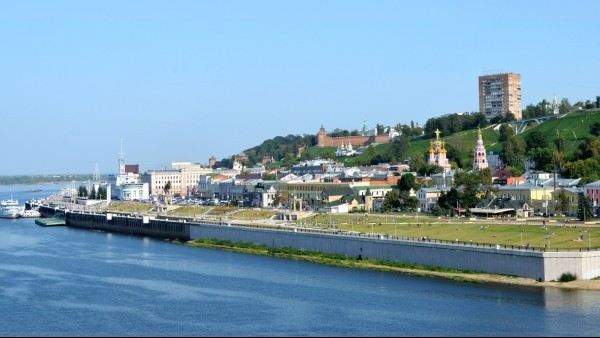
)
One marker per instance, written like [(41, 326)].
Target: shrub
[(567, 277)]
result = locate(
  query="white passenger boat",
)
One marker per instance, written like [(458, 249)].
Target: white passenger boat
[(11, 209), (31, 214)]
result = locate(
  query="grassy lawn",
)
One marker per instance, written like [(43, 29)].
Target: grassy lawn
[(129, 207), (363, 218), (189, 211), (220, 211), (251, 214), (555, 236)]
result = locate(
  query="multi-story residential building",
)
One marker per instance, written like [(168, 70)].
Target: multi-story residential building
[(500, 94), (184, 178), (158, 179)]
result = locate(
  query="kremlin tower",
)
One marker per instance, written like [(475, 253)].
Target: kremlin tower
[(437, 153), (479, 158)]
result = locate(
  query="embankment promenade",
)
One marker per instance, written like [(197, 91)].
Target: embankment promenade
[(537, 266)]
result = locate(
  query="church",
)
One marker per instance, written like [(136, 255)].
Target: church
[(437, 153), (479, 157)]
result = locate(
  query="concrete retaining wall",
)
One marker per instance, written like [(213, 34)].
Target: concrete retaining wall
[(130, 225), (532, 264), (491, 260), (586, 265), (544, 266)]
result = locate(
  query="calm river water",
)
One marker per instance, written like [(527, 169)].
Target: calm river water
[(62, 281)]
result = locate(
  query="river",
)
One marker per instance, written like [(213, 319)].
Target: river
[(64, 281)]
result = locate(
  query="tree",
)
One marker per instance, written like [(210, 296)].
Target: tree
[(102, 193), (506, 132), (590, 148), (398, 149), (391, 200), (454, 154), (585, 209), (93, 195), (449, 200), (562, 201), (82, 191), (407, 182), (559, 142), (543, 158), (536, 139), (558, 159), (588, 170), (595, 129), (513, 151), (438, 211), (564, 106), (270, 177)]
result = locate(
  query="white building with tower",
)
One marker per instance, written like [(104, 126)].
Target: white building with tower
[(127, 184)]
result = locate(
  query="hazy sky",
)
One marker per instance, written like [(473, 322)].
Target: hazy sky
[(183, 80)]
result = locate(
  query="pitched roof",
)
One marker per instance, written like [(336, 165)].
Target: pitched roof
[(338, 191)]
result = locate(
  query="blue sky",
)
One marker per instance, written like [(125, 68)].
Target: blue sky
[(183, 80)]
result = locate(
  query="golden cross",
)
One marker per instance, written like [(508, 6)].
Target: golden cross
[(437, 134)]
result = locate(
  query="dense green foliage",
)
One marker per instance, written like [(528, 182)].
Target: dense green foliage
[(544, 108), (400, 197), (567, 277), (453, 123), (280, 147)]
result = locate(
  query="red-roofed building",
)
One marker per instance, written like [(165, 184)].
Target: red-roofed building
[(132, 168)]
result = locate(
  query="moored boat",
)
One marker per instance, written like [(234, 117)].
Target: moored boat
[(31, 214), (11, 209)]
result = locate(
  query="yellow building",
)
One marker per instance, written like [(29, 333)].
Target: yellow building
[(535, 196), (311, 193)]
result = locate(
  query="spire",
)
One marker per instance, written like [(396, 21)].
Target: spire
[(121, 153), (121, 160)]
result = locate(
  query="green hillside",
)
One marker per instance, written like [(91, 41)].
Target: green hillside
[(574, 128)]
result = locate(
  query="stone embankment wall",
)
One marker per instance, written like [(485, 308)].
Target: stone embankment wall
[(158, 228), (538, 265)]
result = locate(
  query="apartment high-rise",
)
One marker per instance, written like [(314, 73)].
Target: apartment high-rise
[(500, 94)]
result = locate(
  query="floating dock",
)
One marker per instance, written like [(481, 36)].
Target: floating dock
[(50, 222)]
